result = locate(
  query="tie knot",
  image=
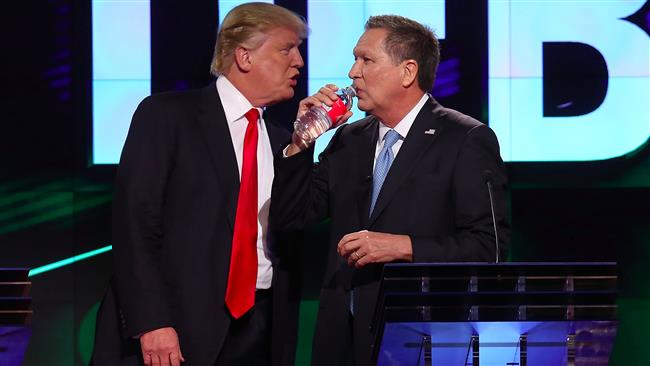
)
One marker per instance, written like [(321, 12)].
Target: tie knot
[(253, 115), (390, 138)]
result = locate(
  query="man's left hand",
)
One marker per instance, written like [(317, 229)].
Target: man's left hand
[(364, 247)]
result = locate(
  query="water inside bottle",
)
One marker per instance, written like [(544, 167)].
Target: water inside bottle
[(316, 123)]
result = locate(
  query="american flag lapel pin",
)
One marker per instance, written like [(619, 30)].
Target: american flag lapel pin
[(430, 131)]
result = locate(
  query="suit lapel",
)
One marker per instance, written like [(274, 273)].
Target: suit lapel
[(278, 136), (415, 144), (366, 153), (216, 134)]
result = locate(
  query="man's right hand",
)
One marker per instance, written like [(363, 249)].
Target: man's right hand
[(160, 348), (325, 95)]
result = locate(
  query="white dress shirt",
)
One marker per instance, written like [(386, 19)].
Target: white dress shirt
[(235, 106), (402, 128)]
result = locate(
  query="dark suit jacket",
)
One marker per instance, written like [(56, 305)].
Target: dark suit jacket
[(174, 209), (434, 192)]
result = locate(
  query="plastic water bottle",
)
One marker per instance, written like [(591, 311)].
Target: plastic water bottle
[(317, 120)]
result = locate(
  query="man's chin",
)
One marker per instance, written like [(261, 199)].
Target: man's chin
[(288, 94), (363, 106), (282, 97)]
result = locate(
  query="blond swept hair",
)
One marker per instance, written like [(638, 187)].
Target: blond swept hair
[(245, 25)]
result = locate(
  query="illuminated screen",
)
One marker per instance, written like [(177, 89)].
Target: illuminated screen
[(121, 71), (538, 108), (567, 80)]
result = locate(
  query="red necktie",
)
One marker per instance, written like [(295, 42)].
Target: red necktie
[(242, 276)]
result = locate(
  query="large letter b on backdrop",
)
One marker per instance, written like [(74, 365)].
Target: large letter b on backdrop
[(598, 111)]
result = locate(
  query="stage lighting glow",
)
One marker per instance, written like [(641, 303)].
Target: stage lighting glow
[(68, 261)]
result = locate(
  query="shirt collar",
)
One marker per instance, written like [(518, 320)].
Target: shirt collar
[(235, 104), (404, 125)]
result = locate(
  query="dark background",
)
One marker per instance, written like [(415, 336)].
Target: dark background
[(54, 204)]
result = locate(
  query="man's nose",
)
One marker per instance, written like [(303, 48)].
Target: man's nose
[(297, 60), (354, 71)]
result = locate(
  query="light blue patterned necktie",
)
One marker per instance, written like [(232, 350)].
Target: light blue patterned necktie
[(384, 160)]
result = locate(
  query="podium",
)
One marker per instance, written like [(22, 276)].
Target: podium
[(15, 314), (525, 314)]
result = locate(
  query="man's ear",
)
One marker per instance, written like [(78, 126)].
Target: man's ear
[(243, 58), (409, 72)]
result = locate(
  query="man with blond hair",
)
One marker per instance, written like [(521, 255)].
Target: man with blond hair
[(199, 278)]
